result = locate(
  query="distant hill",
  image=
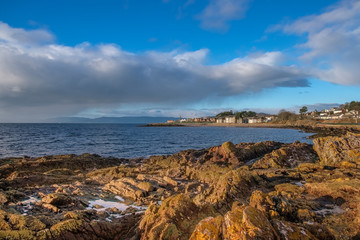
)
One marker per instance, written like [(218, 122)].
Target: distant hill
[(111, 120)]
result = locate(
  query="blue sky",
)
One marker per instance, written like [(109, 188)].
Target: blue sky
[(169, 57)]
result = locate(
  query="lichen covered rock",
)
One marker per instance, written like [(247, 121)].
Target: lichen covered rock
[(208, 229), (333, 151), (288, 156), (177, 215)]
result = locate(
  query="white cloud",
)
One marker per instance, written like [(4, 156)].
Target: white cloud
[(48, 79), (20, 36), (333, 42), (218, 14)]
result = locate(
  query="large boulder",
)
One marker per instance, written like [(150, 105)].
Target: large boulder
[(234, 185), (334, 151), (208, 228), (238, 154), (176, 218), (247, 223)]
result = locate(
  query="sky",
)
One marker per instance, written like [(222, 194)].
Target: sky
[(175, 57)]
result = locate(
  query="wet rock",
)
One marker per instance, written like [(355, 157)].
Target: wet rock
[(97, 206), (335, 150)]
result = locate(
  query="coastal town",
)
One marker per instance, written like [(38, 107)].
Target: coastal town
[(348, 112)]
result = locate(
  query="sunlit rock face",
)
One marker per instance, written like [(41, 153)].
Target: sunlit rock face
[(339, 151)]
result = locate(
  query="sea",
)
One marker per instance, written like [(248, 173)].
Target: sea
[(127, 140)]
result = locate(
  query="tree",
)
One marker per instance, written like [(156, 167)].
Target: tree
[(284, 115), (303, 110), (224, 114), (243, 114), (356, 107)]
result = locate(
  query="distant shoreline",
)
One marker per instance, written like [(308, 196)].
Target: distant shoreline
[(319, 130)]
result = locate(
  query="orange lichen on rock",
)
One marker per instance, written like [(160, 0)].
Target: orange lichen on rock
[(334, 150)]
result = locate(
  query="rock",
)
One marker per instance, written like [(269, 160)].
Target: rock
[(335, 192), (226, 153), (319, 230), (308, 167), (17, 235), (208, 228), (97, 206), (170, 181), (102, 214), (4, 226), (237, 155), (58, 199), (247, 223), (3, 198), (176, 218), (234, 185), (289, 190), (291, 231), (125, 187), (146, 186), (19, 222), (288, 156), (305, 214), (113, 210), (50, 207), (335, 150), (91, 230), (190, 187), (261, 201)]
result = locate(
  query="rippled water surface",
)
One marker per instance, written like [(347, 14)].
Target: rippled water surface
[(127, 140)]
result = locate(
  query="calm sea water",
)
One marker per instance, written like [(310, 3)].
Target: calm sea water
[(127, 140)]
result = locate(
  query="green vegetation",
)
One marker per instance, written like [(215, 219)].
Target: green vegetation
[(225, 114), (303, 110), (351, 106), (238, 115), (245, 114)]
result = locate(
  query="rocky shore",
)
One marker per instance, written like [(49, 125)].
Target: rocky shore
[(265, 190)]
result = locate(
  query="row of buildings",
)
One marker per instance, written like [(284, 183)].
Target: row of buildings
[(226, 119), (233, 119), (335, 114), (326, 114)]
